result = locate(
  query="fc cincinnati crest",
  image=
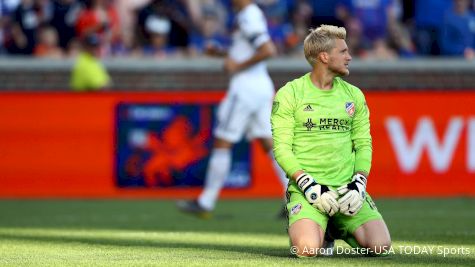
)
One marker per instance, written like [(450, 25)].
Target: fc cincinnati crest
[(350, 108)]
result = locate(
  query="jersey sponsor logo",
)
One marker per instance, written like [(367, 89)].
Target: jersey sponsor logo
[(335, 124), (350, 108), (309, 124), (308, 108), (295, 209)]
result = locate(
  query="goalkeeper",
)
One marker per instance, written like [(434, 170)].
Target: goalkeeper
[(321, 133)]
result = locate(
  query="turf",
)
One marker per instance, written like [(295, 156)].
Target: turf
[(242, 233)]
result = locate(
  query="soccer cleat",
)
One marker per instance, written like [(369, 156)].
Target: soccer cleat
[(193, 207)]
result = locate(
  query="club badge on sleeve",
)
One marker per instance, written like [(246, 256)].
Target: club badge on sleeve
[(350, 108)]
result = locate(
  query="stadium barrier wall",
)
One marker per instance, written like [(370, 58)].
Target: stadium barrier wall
[(63, 145), (194, 74)]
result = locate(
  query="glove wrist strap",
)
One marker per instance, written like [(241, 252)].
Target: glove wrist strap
[(304, 182)]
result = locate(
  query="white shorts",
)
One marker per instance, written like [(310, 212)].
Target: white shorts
[(245, 111)]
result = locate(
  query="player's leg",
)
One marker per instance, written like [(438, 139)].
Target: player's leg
[(219, 166), (306, 224), (374, 235), (232, 116), (306, 238), (366, 229)]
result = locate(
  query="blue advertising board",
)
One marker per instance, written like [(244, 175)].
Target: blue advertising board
[(168, 145)]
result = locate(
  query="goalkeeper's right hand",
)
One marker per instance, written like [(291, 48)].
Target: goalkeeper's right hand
[(320, 196)]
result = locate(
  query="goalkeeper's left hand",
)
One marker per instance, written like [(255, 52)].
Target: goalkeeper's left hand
[(354, 194)]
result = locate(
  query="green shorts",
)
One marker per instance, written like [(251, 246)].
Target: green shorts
[(342, 225)]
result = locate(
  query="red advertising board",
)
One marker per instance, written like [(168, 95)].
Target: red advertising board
[(423, 144), (62, 145)]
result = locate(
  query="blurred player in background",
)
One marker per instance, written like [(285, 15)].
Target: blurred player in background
[(322, 140), (88, 73), (247, 106)]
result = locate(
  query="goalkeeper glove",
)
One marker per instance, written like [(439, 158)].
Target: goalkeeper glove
[(354, 195), (320, 196)]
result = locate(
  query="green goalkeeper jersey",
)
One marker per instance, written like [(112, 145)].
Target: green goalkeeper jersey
[(326, 133)]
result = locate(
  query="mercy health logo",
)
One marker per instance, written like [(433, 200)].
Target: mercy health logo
[(440, 150)]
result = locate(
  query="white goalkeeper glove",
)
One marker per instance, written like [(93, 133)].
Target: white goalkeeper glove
[(320, 196), (354, 194)]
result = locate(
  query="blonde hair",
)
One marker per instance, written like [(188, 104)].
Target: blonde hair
[(321, 39)]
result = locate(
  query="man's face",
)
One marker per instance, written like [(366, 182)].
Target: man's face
[(339, 58)]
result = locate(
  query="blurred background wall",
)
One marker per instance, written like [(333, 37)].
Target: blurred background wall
[(130, 74)]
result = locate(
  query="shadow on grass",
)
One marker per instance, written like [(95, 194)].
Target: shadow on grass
[(258, 250), (230, 216), (277, 252)]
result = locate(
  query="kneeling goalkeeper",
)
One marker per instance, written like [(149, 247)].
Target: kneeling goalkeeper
[(321, 133)]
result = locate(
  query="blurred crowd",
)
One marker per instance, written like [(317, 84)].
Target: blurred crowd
[(377, 29)]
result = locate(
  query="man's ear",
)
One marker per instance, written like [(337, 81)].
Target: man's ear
[(323, 56)]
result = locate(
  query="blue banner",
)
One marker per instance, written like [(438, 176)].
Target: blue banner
[(168, 145)]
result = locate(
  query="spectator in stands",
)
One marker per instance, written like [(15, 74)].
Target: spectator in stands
[(213, 17), (157, 29), (127, 10), (458, 31), (64, 17), (277, 16), (74, 48), (306, 14), (400, 41), (301, 20), (88, 73), (182, 24), (47, 45), (367, 24), (7, 7), (325, 12), (429, 17), (101, 18), (156, 9), (177, 11), (26, 20)]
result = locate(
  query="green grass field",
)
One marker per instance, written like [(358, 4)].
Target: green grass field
[(242, 233)]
